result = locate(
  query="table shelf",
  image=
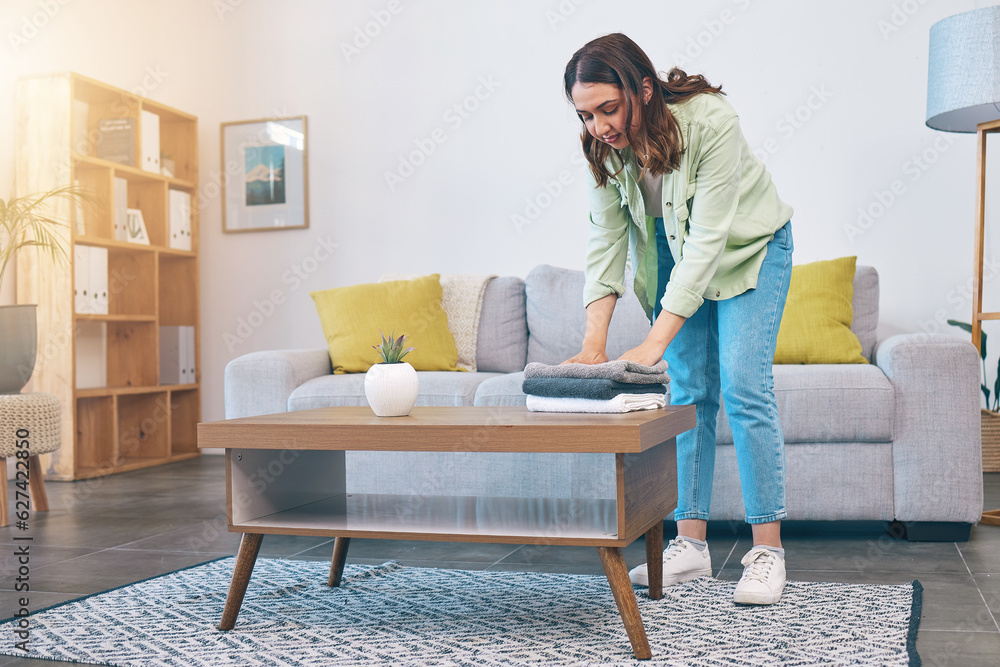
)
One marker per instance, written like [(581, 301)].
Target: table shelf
[(564, 521)]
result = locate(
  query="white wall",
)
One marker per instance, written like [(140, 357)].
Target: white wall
[(862, 66)]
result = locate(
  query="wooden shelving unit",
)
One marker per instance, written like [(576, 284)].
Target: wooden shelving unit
[(134, 421)]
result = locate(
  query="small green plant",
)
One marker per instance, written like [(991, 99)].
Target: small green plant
[(391, 350), (26, 221), (995, 407)]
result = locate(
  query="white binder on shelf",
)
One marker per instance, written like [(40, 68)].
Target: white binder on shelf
[(150, 141), (81, 279), (180, 220), (98, 280), (170, 355), (121, 209), (192, 362), (177, 358), (185, 355), (91, 355)]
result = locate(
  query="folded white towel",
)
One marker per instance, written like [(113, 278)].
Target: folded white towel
[(620, 403)]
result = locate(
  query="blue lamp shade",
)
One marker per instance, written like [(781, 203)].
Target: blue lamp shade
[(963, 77)]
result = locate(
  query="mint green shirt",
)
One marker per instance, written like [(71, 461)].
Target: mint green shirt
[(720, 209)]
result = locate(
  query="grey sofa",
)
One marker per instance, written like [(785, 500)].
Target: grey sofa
[(894, 440)]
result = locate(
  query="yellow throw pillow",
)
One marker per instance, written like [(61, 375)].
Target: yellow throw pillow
[(816, 325), (353, 316)]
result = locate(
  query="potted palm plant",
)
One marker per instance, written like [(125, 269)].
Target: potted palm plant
[(990, 415), (27, 222), (391, 385)]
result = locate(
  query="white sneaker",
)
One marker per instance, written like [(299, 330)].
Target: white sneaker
[(763, 578), (682, 561)]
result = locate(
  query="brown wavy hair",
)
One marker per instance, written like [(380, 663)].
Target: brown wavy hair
[(617, 60)]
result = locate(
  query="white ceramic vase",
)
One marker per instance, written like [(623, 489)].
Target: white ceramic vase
[(391, 389)]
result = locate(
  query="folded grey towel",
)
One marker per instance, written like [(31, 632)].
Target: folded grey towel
[(595, 388), (620, 371)]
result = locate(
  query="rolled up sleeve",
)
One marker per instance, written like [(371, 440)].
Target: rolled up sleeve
[(717, 184), (607, 244)]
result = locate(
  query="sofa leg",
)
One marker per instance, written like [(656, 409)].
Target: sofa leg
[(932, 531)]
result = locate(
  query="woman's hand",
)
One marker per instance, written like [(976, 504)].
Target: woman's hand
[(588, 356), (657, 340), (647, 354)]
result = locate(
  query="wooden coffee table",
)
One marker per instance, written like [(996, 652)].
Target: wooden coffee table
[(285, 475)]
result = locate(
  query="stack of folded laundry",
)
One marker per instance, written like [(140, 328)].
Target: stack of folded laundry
[(614, 386)]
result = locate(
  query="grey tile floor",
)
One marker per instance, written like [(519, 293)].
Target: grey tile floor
[(111, 531)]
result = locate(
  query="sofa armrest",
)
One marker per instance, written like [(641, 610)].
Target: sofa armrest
[(937, 441), (260, 383)]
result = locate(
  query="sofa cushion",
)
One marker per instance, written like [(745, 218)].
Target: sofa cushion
[(816, 325), (436, 388), (557, 318), (352, 316), (503, 390), (865, 306), (502, 345), (829, 403), (462, 301)]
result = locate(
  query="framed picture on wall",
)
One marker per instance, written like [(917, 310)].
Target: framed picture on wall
[(265, 184)]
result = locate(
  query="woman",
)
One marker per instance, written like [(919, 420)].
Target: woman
[(677, 187)]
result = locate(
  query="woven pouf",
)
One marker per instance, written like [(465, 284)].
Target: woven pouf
[(33, 418), (38, 414)]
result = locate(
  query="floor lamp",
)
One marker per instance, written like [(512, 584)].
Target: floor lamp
[(963, 95)]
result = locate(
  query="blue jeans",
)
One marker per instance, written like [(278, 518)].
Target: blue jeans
[(728, 346)]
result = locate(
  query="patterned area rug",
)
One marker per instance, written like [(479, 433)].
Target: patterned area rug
[(395, 615)]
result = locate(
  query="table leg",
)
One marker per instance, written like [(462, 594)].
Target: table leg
[(340, 545), (621, 587), (249, 548), (654, 560)]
